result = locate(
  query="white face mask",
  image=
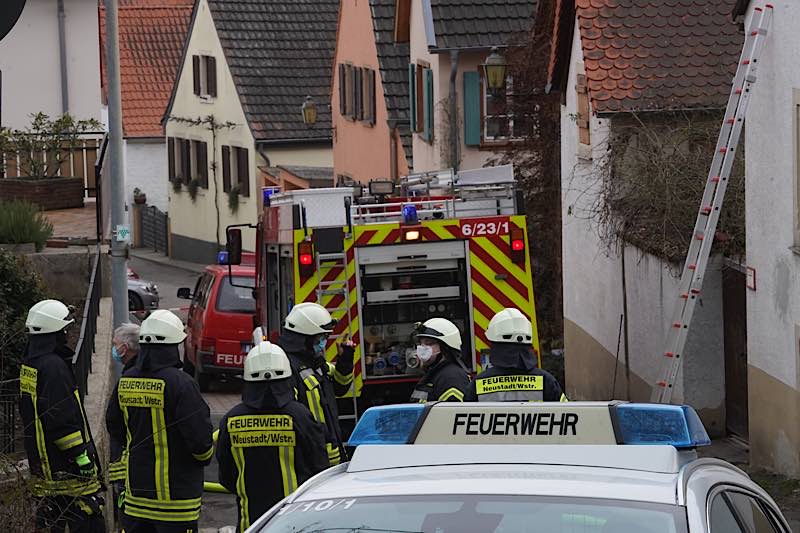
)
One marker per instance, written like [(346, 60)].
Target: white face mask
[(425, 353)]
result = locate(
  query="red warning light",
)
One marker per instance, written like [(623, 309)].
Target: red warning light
[(305, 259), (517, 245)]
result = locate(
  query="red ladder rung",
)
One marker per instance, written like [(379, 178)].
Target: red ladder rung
[(699, 236), (731, 121), (706, 209), (715, 179), (662, 384), (676, 325), (692, 267), (695, 291), (685, 296), (723, 149), (669, 354)]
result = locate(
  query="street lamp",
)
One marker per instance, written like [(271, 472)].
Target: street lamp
[(309, 109), (494, 69)]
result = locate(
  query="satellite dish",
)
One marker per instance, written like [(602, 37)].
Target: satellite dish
[(10, 10)]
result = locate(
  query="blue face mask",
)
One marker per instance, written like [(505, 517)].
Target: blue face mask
[(319, 347), (115, 354)]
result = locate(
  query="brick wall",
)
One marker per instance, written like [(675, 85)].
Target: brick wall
[(49, 194)]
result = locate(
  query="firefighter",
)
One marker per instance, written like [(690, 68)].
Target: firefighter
[(513, 375), (61, 454), (446, 378), (318, 382), (157, 410), (268, 437), (124, 349)]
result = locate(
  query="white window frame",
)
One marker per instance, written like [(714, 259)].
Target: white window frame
[(485, 116)]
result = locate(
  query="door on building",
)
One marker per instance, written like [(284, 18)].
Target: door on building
[(735, 316)]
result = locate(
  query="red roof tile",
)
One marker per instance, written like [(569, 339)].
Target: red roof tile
[(649, 55), (151, 40)]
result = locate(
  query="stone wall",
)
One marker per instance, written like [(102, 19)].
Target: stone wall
[(49, 194)]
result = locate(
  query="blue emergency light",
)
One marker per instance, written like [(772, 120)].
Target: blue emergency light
[(388, 424), (222, 258), (672, 425), (410, 214)]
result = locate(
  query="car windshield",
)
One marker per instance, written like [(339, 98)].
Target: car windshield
[(231, 299), (476, 514)]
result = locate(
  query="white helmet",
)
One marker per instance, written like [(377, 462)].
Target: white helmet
[(443, 331), (162, 327), (510, 325), (309, 318), (266, 362), (47, 316)]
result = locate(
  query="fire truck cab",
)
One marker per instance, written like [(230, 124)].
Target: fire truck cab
[(384, 257)]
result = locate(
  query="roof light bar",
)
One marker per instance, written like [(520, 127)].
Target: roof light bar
[(658, 424), (389, 424)]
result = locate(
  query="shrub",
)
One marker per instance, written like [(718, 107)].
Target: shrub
[(20, 288), (233, 199), (22, 222)]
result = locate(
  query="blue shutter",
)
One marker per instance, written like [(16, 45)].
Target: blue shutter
[(412, 95), (472, 109), (427, 80)]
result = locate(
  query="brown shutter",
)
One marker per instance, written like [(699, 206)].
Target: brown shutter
[(243, 166), (349, 92), (420, 93), (171, 157), (371, 97), (211, 74), (342, 89), (202, 164), (196, 74), (226, 168), (584, 132), (186, 160), (358, 94)]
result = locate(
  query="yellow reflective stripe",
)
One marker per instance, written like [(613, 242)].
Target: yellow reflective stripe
[(183, 516), (126, 453), (204, 456), (172, 505), (334, 455), (286, 454), (341, 379), (315, 405), (161, 453), (83, 414), (41, 445), (65, 488), (452, 392), (69, 441), (563, 398), (241, 489)]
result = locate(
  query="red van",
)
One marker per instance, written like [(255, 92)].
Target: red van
[(220, 323)]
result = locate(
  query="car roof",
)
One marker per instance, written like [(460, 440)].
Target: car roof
[(633, 473), (237, 270)]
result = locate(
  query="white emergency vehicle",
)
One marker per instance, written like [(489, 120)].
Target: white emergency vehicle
[(528, 468)]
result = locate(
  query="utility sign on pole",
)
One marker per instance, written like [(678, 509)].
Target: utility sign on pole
[(123, 233)]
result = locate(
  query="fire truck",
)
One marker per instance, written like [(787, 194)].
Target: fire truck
[(386, 256)]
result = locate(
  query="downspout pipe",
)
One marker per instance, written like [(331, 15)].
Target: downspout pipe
[(62, 50), (455, 160)]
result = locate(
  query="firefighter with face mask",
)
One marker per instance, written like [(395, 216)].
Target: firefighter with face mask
[(157, 410), (439, 352), (318, 382), (269, 444), (61, 453), (513, 375)]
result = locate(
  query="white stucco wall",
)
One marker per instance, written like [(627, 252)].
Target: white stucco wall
[(197, 219), (146, 168), (593, 294), (321, 156), (29, 61), (773, 310)]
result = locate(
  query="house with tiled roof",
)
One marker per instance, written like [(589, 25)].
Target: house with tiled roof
[(151, 37), (455, 121), (772, 196), (369, 101), (235, 110), (627, 69)]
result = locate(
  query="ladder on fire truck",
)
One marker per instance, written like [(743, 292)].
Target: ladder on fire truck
[(337, 286), (707, 218)]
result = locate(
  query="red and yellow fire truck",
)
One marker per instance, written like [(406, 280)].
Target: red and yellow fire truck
[(384, 257)]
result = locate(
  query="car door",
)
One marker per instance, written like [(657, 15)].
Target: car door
[(194, 322), (734, 509)]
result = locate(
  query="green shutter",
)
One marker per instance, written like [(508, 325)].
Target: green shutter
[(412, 95), (472, 109), (427, 80)]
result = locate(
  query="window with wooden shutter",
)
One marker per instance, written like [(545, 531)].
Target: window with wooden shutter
[(202, 163), (472, 108), (226, 168), (370, 98), (211, 76), (196, 74), (427, 132), (412, 95), (171, 158), (584, 112), (358, 93), (349, 92), (420, 93), (243, 169), (186, 161), (342, 89)]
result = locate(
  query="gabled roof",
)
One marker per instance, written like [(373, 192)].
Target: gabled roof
[(654, 55), (151, 39), (279, 52), (393, 60), (480, 24)]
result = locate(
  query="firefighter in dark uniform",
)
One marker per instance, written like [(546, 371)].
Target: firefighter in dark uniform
[(318, 382), (124, 349), (269, 444), (439, 352), (159, 412), (62, 458), (514, 375)]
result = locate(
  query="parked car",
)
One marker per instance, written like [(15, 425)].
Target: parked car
[(220, 323), (142, 294)]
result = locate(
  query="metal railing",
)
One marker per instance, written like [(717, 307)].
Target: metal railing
[(9, 394), (82, 360)]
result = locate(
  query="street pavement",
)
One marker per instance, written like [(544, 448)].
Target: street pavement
[(169, 279)]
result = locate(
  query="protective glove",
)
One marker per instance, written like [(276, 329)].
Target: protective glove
[(86, 467)]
